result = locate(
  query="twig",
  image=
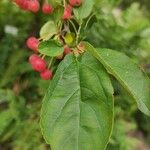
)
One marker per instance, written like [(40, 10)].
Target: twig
[(78, 33)]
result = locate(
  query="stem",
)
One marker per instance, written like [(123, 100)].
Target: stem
[(40, 39), (68, 25), (43, 56), (78, 33), (50, 63), (75, 29), (88, 20), (46, 1), (64, 3), (60, 26), (40, 55)]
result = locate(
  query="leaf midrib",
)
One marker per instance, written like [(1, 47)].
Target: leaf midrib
[(78, 73), (106, 96)]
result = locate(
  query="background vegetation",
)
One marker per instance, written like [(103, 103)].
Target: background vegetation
[(123, 25)]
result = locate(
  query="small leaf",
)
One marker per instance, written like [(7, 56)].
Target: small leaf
[(84, 10), (127, 73), (50, 48), (77, 111), (48, 30)]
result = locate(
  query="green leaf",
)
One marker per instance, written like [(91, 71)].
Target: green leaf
[(77, 111), (84, 10), (48, 30), (5, 120), (127, 73), (55, 2), (50, 48)]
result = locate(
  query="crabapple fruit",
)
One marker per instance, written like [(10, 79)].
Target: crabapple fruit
[(38, 64), (67, 12), (47, 8), (75, 2), (32, 43), (46, 74), (67, 50)]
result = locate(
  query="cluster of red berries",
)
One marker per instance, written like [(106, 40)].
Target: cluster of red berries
[(39, 64), (69, 8), (34, 6)]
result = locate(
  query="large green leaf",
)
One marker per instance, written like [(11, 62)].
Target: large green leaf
[(127, 73), (77, 111)]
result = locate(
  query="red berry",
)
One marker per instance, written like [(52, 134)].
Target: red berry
[(47, 9), (22, 4), (75, 2), (67, 50), (18, 2), (38, 64), (33, 58), (34, 6), (46, 74), (25, 5), (32, 43), (67, 12)]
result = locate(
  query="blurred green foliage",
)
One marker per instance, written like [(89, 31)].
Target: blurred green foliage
[(123, 25)]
